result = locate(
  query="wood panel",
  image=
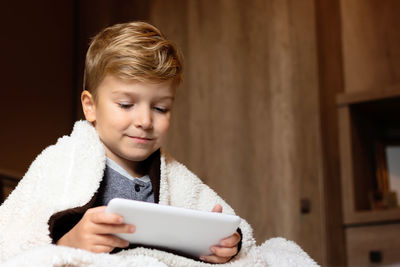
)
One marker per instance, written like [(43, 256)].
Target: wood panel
[(371, 38), (247, 117), (330, 69)]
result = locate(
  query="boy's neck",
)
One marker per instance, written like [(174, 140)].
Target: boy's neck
[(134, 168)]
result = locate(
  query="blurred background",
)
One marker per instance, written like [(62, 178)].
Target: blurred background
[(289, 109)]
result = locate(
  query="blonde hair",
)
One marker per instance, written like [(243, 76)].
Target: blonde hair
[(134, 51)]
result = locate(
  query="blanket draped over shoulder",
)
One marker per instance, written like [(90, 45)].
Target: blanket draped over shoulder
[(68, 174)]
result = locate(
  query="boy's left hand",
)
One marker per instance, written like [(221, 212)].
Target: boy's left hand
[(226, 249)]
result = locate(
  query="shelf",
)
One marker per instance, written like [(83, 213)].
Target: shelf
[(366, 96), (367, 122), (373, 216)]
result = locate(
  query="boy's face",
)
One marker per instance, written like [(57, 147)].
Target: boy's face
[(131, 118)]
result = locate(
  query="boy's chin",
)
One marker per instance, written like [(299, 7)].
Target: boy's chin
[(139, 156)]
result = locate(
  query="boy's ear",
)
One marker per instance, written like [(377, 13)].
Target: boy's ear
[(88, 106)]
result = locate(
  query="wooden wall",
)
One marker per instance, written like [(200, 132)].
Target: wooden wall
[(247, 117)]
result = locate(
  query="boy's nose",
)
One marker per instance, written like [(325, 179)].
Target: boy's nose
[(142, 117)]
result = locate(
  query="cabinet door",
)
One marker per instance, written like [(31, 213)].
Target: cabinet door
[(373, 245)]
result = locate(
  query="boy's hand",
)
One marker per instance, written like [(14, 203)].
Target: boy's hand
[(226, 249), (94, 232)]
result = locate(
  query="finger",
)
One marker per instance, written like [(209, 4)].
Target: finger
[(99, 216), (111, 241), (215, 259), (100, 249), (217, 208), (224, 252), (231, 241), (97, 209), (102, 228)]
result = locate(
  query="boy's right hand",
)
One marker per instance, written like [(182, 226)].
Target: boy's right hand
[(94, 232)]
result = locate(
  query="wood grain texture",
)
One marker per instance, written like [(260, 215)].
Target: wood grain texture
[(247, 117), (371, 38), (330, 69)]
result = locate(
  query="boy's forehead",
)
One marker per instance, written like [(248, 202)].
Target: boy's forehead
[(116, 86), (130, 93)]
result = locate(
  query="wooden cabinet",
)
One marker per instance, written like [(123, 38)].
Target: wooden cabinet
[(367, 121)]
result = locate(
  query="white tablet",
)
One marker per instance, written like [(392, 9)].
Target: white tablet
[(189, 231)]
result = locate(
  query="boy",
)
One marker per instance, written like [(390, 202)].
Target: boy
[(131, 74)]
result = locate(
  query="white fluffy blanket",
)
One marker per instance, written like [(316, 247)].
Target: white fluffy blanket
[(67, 175)]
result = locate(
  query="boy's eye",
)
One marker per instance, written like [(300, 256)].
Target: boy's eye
[(125, 106), (161, 109)]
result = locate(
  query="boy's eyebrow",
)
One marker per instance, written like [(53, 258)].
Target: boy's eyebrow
[(166, 97), (126, 93)]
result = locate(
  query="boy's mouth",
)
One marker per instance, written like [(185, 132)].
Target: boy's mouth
[(141, 140)]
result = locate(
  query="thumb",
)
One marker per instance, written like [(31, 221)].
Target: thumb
[(217, 208)]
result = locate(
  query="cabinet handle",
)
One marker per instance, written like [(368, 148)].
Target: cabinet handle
[(375, 256), (305, 206)]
